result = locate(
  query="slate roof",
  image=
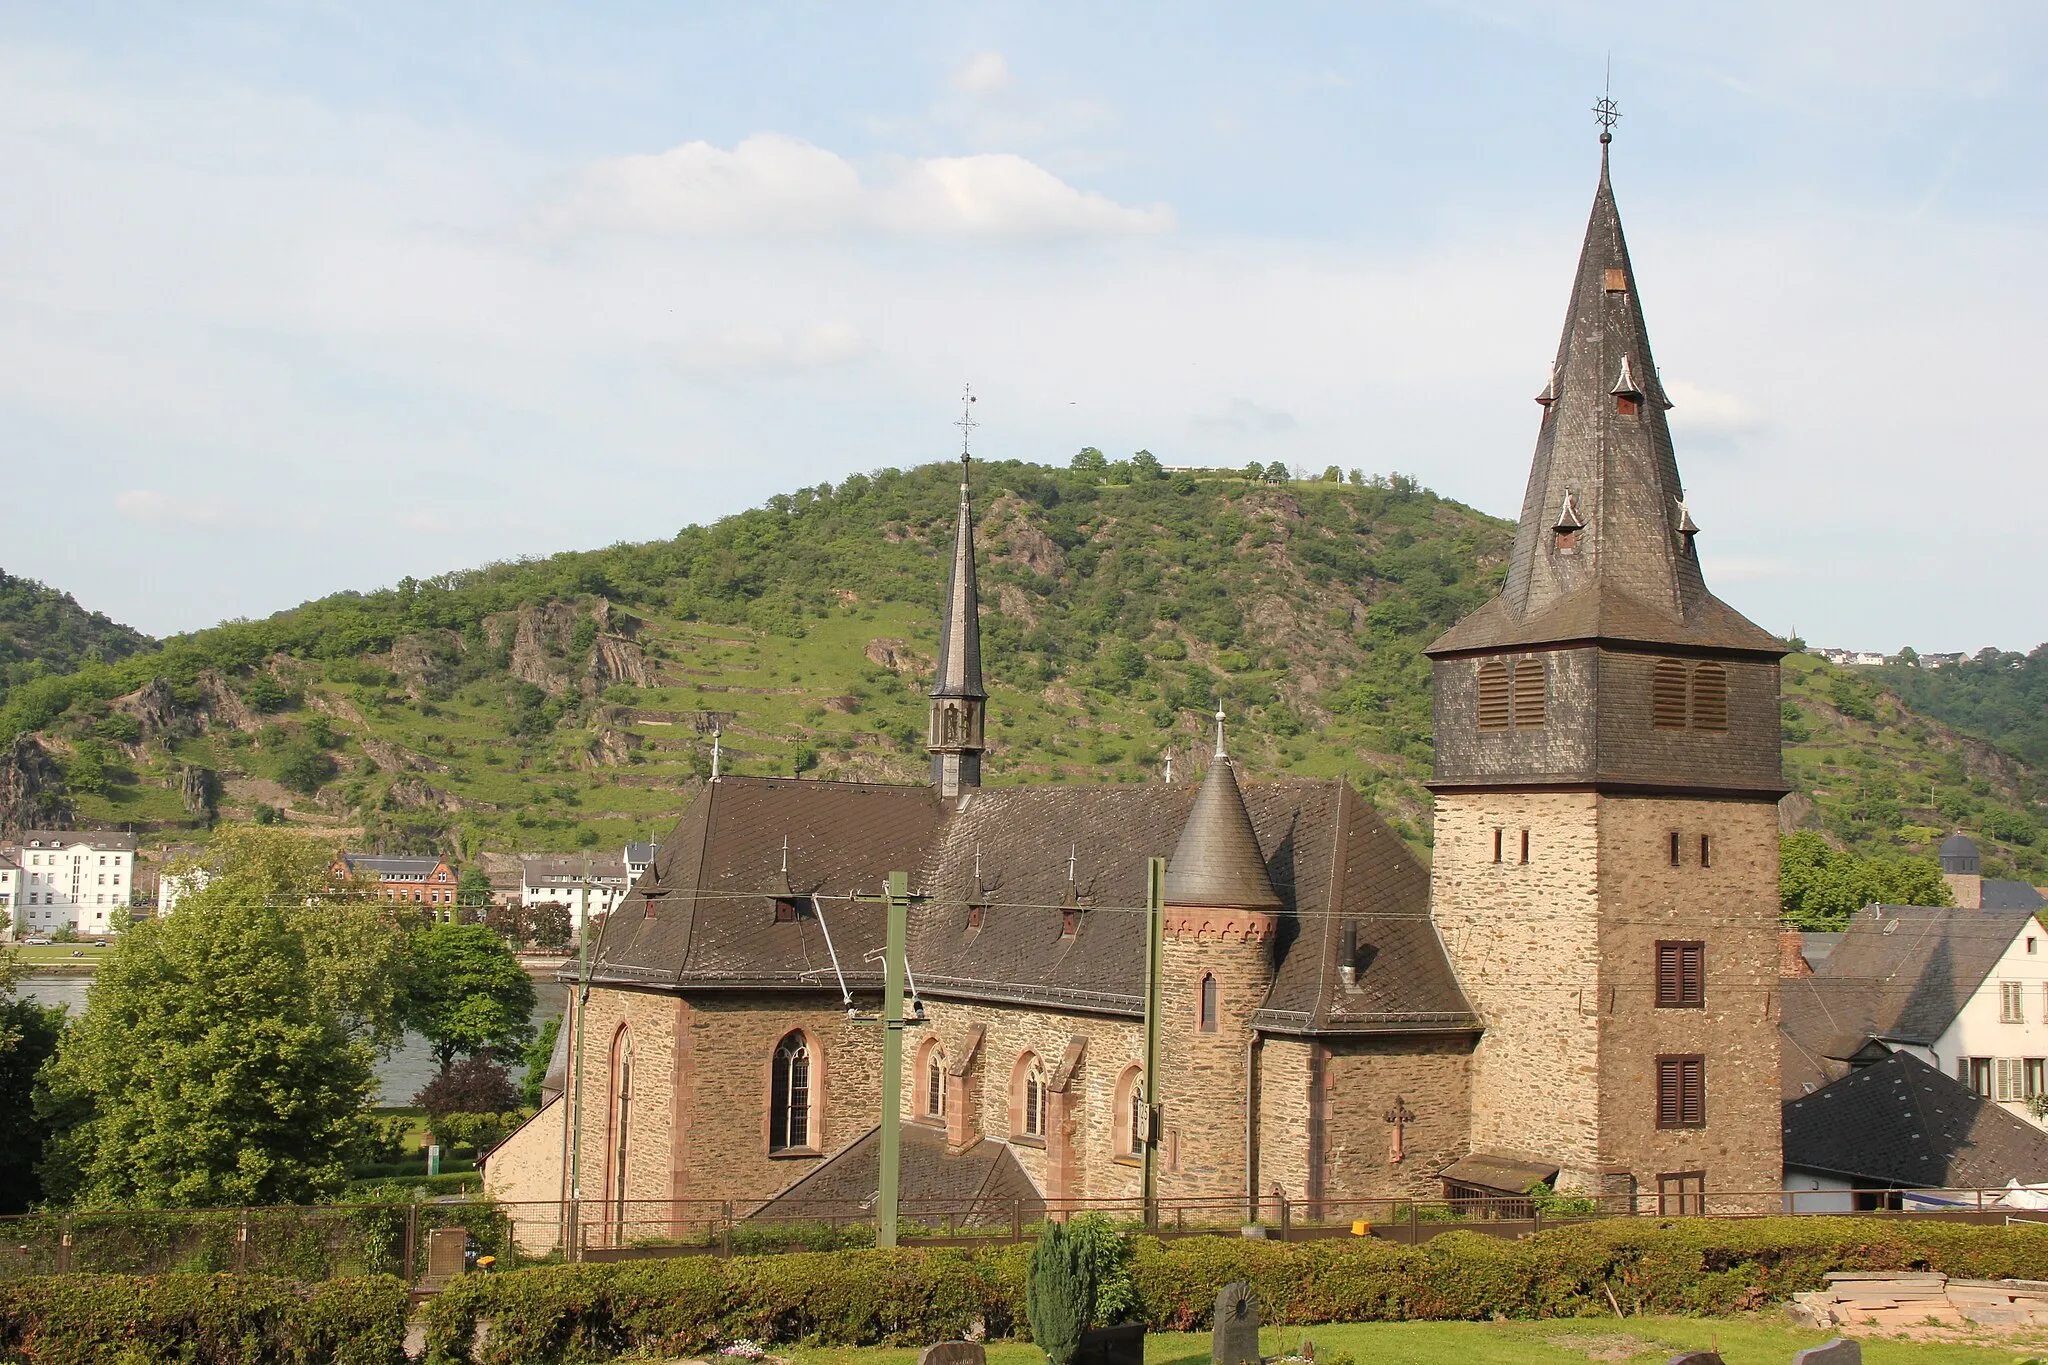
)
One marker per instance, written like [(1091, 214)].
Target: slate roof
[(2000, 894), (1899, 972), (1900, 1122), (640, 853), (1634, 576), (568, 867), (100, 841), (983, 1184), (959, 667), (1217, 864), (706, 917), (1959, 854), (390, 865)]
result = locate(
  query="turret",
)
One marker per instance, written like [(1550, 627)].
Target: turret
[(959, 699)]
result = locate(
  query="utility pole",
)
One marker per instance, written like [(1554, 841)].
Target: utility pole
[(897, 895), (1155, 952), (574, 1248)]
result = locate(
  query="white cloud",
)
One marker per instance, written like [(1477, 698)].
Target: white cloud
[(761, 347), (983, 74), (771, 183)]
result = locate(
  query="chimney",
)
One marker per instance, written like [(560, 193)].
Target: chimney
[(1792, 954)]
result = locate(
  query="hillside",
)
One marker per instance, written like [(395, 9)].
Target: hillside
[(562, 702), (45, 631)]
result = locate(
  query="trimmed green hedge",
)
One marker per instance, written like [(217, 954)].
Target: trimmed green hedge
[(686, 1305), (202, 1320)]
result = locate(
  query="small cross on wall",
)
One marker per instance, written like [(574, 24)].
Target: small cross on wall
[(1399, 1117)]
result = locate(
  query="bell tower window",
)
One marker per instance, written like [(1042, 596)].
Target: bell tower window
[(1531, 679), (1494, 704)]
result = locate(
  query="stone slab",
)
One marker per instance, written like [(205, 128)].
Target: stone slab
[(954, 1353), (1840, 1351)]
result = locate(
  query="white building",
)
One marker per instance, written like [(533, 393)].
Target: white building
[(73, 879), (639, 858), (557, 879), (10, 887)]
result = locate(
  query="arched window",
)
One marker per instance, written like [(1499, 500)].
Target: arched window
[(1493, 695), (1710, 698), (1128, 1118), (1531, 678), (1028, 1098), (930, 1074), (1667, 696), (1207, 1019), (789, 1099), (620, 1125)]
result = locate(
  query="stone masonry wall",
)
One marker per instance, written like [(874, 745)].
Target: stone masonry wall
[(1732, 905), (1284, 1117), (1362, 1079), (1524, 940), (651, 1131), (1206, 1074)]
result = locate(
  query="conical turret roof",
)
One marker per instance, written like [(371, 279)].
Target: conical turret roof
[(1631, 573), (959, 671), (1217, 863)]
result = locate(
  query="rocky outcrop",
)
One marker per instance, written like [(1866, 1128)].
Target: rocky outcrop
[(391, 758), (198, 790), (220, 705), (410, 793), (32, 792), (897, 656), (612, 621), (534, 631), (156, 709), (425, 663), (613, 746), (614, 658)]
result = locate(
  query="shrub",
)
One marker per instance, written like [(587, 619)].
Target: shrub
[(1061, 1292), (201, 1320)]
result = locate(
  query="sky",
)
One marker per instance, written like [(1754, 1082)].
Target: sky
[(296, 298)]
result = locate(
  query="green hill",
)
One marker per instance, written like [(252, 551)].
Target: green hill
[(44, 631), (562, 702)]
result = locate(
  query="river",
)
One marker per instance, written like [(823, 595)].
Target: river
[(399, 1076)]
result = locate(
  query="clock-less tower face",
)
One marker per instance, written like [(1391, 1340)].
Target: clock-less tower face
[(1607, 772)]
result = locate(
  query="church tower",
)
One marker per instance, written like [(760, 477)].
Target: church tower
[(959, 700), (1605, 874)]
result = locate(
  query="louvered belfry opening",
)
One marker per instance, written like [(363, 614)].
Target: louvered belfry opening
[(1513, 696), (1710, 698), (1494, 706), (1531, 684), (1667, 695)]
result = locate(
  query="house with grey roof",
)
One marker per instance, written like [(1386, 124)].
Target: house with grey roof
[(1579, 988)]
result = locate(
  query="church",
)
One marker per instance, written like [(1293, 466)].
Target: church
[(1581, 987)]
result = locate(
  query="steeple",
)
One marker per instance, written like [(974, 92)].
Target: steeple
[(959, 699), (1605, 545), (1217, 863)]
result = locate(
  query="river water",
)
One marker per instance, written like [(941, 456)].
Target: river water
[(399, 1076)]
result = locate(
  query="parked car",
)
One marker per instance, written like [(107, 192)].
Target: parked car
[(37, 942), (99, 943)]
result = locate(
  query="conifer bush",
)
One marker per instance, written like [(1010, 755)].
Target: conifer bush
[(1060, 1291)]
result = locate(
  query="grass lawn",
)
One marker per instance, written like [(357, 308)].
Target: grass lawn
[(1760, 1340), (56, 954)]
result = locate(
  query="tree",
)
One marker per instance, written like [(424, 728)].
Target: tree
[(466, 993), (473, 888), (1145, 465), (1089, 460), (539, 1054), (302, 767), (1059, 1292), (28, 1035), (1276, 472), (1255, 471), (547, 926), (1333, 475), (210, 1068), (474, 1085), (1820, 887)]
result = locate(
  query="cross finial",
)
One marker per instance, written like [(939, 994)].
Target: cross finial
[(785, 853), (967, 424), (1219, 732), (1605, 110), (1073, 860)]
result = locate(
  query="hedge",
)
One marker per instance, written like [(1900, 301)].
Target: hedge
[(851, 1298), (202, 1320)]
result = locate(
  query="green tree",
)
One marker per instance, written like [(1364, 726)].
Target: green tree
[(1059, 1292), (536, 1056), (302, 767), (466, 993), (28, 1035), (474, 886), (1089, 460), (1276, 472), (1145, 465), (209, 1068), (1820, 887), (1332, 474)]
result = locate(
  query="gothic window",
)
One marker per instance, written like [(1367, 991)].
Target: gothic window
[(1682, 1092), (1494, 708), (1667, 695), (1531, 676), (931, 1080), (1029, 1101), (1207, 1021), (621, 1126), (789, 1098), (1710, 698), (952, 723), (1128, 1139)]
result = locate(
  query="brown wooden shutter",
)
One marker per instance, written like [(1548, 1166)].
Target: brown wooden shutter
[(1667, 1092), (1681, 975), (1530, 685), (1667, 695), (1493, 695), (1681, 1092), (1710, 698), (1667, 976)]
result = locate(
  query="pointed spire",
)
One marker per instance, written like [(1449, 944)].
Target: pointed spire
[(1217, 863), (959, 697), (1601, 552)]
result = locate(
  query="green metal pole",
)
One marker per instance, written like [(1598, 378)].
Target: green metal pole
[(1155, 951), (574, 1248), (898, 896)]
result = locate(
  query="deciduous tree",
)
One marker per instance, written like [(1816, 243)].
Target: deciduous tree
[(466, 992)]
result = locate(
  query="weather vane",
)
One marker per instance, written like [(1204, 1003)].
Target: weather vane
[(1606, 111), (967, 424)]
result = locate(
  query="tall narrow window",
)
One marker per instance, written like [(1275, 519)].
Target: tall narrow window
[(1710, 698), (1029, 1108), (934, 1083), (1128, 1119), (1682, 1092), (621, 1125), (1667, 695), (1530, 683), (1681, 975), (1674, 848), (789, 1101), (1525, 848), (1706, 850), (1208, 1003), (1499, 842), (1494, 707), (2012, 1003)]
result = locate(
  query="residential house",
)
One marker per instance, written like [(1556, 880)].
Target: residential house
[(639, 858), (1899, 1124), (558, 879), (424, 881), (1964, 990), (10, 891), (74, 879)]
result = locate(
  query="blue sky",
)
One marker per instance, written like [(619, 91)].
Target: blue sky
[(301, 298)]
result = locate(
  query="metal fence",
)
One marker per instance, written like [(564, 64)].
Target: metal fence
[(392, 1238)]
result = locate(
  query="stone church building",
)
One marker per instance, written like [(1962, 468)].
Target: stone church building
[(1581, 987)]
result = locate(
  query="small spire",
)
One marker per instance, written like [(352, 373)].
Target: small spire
[(715, 733), (1073, 862), (785, 855), (1568, 519), (1687, 527), (1219, 733), (1606, 112), (967, 424), (1625, 383), (1169, 767)]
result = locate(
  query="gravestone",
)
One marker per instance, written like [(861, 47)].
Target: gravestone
[(954, 1353), (1695, 1358), (1840, 1351), (1237, 1326), (1123, 1344)]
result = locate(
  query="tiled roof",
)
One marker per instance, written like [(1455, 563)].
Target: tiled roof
[(982, 1184), (1999, 894), (1903, 972), (388, 866), (99, 840), (641, 853), (1901, 1122), (1005, 851), (569, 867), (1216, 863)]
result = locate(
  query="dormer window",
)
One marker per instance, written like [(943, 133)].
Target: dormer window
[(1569, 524), (1628, 395)]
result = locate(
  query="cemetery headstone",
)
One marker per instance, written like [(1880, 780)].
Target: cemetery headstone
[(954, 1353), (1237, 1326), (1123, 1344), (1695, 1358), (1840, 1351)]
